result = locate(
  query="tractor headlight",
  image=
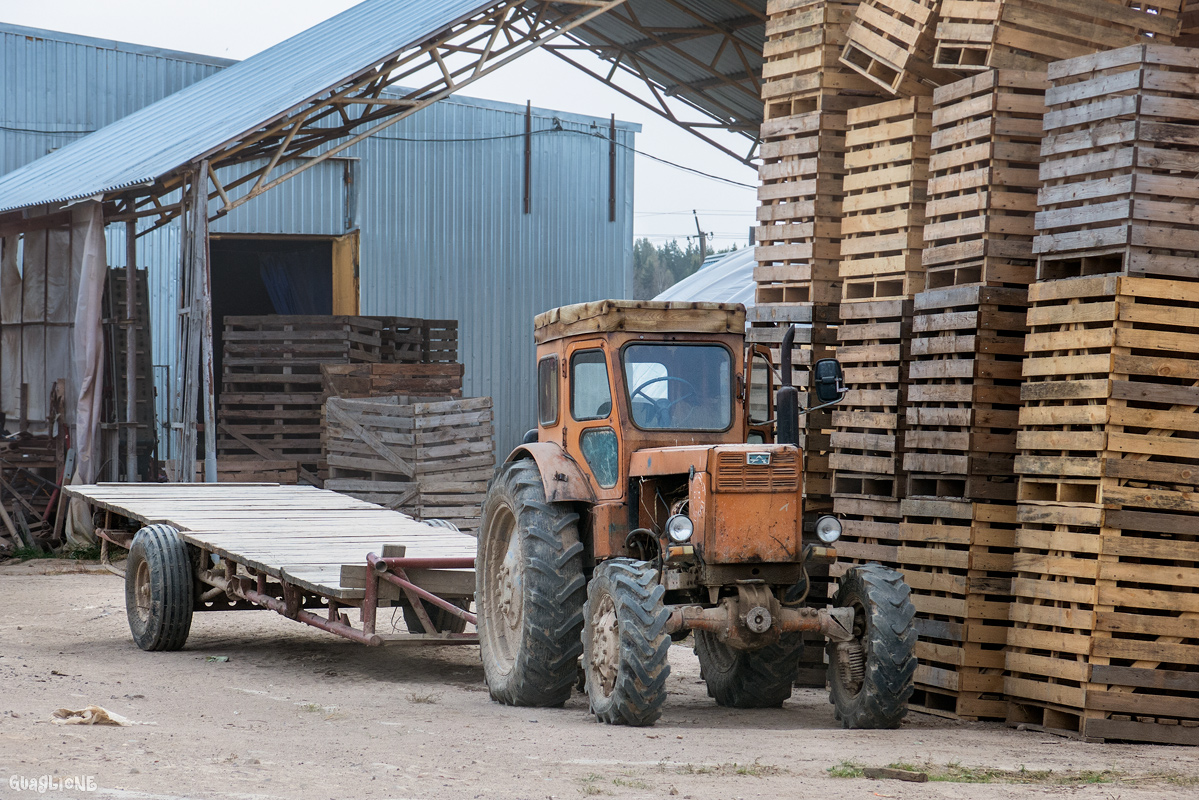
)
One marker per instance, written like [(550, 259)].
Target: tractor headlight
[(828, 529), (679, 528)]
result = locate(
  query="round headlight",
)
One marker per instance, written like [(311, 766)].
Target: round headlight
[(679, 528), (828, 529)]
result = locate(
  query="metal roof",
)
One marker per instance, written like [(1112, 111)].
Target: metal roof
[(707, 52), (187, 125)]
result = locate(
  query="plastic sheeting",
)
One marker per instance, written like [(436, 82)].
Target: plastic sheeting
[(729, 280)]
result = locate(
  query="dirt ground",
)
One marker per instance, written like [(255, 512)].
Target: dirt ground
[(299, 714)]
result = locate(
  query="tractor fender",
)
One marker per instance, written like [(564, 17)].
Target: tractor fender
[(563, 479)]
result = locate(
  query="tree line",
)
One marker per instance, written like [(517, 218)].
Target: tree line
[(656, 269)]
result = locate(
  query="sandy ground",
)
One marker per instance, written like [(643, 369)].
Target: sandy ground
[(296, 713)]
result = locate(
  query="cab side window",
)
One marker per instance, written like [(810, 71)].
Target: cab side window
[(590, 393), (547, 390)]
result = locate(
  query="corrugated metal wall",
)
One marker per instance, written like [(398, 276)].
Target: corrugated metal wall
[(443, 233)]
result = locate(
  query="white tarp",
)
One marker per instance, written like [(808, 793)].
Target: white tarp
[(729, 280)]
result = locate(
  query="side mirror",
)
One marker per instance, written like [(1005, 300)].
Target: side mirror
[(829, 380)]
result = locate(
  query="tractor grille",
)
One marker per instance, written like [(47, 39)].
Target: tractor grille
[(734, 475)]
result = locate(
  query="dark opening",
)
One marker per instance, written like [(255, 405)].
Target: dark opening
[(253, 277)]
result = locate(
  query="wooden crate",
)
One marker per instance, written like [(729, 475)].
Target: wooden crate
[(957, 558), (1118, 165), (799, 216), (892, 43), (1029, 34), (376, 380), (430, 459), (253, 470), (801, 70), (882, 231), (1103, 643), (1109, 393), (963, 393), (983, 180)]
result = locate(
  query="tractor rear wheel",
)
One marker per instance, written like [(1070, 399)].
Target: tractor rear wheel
[(159, 589), (871, 676), (529, 591), (625, 644), (749, 679)]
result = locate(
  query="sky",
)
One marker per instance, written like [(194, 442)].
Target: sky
[(665, 197)]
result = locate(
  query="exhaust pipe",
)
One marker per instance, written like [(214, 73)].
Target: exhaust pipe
[(786, 399)]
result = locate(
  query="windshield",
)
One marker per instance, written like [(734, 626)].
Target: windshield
[(679, 387)]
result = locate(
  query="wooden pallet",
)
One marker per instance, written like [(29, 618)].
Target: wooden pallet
[(867, 438), (430, 459), (963, 393), (983, 180), (1029, 34), (1104, 643), (799, 231), (801, 70), (1119, 196), (1109, 393), (892, 42), (957, 558), (378, 380), (882, 231)]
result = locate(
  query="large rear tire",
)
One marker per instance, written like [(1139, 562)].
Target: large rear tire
[(625, 644), (159, 589), (530, 591), (871, 677), (749, 679)]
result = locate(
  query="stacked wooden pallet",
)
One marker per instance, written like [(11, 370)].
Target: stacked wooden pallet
[(428, 459), (1029, 34), (892, 42), (379, 380), (1119, 188), (409, 340), (982, 189), (954, 543), (271, 394), (1105, 642)]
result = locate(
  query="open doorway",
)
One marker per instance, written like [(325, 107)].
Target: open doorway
[(294, 275)]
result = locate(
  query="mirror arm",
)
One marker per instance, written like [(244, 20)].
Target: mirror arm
[(840, 388)]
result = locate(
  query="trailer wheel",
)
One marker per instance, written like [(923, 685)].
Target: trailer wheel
[(871, 677), (749, 679), (159, 587), (530, 591), (442, 620), (625, 644)]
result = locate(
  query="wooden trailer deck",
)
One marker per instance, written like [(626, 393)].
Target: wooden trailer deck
[(295, 534)]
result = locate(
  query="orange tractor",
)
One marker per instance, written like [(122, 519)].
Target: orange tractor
[(657, 498)]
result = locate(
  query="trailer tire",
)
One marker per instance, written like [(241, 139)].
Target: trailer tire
[(749, 679), (625, 644), (442, 620), (871, 678), (529, 591), (159, 589)]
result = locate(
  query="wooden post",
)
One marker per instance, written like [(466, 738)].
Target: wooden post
[(528, 155), (130, 351), (204, 284)]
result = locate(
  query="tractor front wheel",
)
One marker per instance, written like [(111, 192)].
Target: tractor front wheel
[(749, 679), (625, 644), (871, 676), (529, 591)]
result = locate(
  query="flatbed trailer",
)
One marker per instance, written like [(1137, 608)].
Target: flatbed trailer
[(309, 554)]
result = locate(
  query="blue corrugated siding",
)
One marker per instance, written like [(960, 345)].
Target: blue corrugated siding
[(442, 230)]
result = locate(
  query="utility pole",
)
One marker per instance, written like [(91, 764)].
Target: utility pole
[(703, 238)]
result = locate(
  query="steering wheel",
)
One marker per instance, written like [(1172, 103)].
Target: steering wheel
[(660, 410)]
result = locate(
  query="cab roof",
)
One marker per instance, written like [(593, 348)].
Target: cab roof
[(647, 316)]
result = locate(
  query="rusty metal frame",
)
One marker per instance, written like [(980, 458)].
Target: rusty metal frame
[(257, 589), (328, 123)]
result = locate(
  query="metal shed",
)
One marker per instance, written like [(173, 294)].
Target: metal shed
[(437, 201)]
